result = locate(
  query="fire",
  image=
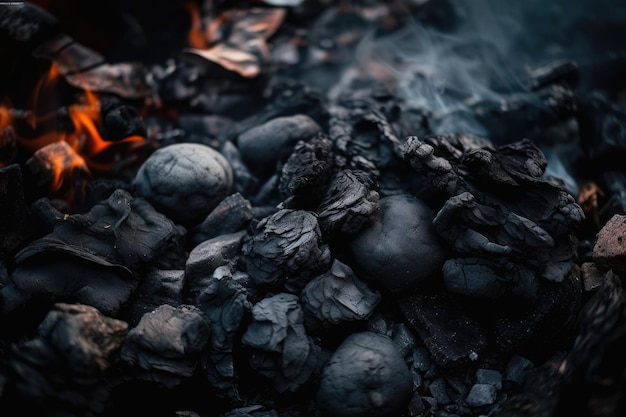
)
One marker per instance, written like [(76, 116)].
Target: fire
[(82, 144)]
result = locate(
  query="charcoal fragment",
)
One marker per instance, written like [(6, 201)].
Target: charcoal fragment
[(165, 345), (231, 215), (365, 376), (185, 181), (60, 370), (286, 250), (157, 287), (263, 146), (335, 297), (282, 351), (400, 250), (351, 201), (306, 172)]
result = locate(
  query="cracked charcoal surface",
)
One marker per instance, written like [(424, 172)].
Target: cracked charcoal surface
[(185, 181)]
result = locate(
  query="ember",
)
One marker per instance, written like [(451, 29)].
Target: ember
[(313, 208)]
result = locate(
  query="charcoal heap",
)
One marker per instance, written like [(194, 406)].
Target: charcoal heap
[(277, 223)]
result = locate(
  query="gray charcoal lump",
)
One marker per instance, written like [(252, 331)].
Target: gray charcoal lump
[(400, 250), (366, 376), (185, 181)]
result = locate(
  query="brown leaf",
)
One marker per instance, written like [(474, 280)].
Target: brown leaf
[(239, 39)]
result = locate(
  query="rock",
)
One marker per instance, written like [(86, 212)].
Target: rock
[(610, 248)]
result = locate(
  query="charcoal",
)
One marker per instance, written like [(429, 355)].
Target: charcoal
[(157, 287), (224, 301), (13, 211), (550, 318), (609, 250), (108, 245), (439, 392), (602, 125), (231, 215), (490, 377), (286, 250), (306, 173), (449, 331), (120, 120), (251, 411), (281, 349), (593, 368), (400, 250), (517, 369), (244, 182), (539, 237), (335, 297), (165, 345), (59, 371), (481, 394), (206, 257), (404, 338), (350, 202), (184, 181), (365, 376), (27, 24), (264, 145), (8, 146)]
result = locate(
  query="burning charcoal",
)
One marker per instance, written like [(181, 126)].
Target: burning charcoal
[(335, 297), (157, 287), (165, 345), (609, 250), (400, 250), (351, 202), (281, 349), (231, 215), (306, 172), (8, 146), (205, 258), (286, 249), (263, 146), (13, 227), (60, 371), (58, 168), (184, 181), (120, 120), (365, 376), (224, 302), (450, 333), (93, 258)]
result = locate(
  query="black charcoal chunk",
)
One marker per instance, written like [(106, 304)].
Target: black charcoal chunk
[(400, 250), (367, 377), (281, 349), (338, 296), (224, 301), (94, 258), (184, 181), (451, 334), (231, 215), (157, 287), (351, 201), (205, 258), (306, 172), (59, 371), (286, 249), (12, 210), (120, 120), (165, 345), (244, 181), (264, 145)]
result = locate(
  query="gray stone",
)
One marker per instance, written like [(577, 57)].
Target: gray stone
[(610, 247), (481, 394), (517, 368), (489, 376)]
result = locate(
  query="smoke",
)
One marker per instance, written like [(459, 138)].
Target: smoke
[(487, 53)]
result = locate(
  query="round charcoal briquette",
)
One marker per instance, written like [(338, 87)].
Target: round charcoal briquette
[(365, 377), (184, 181), (401, 249)]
